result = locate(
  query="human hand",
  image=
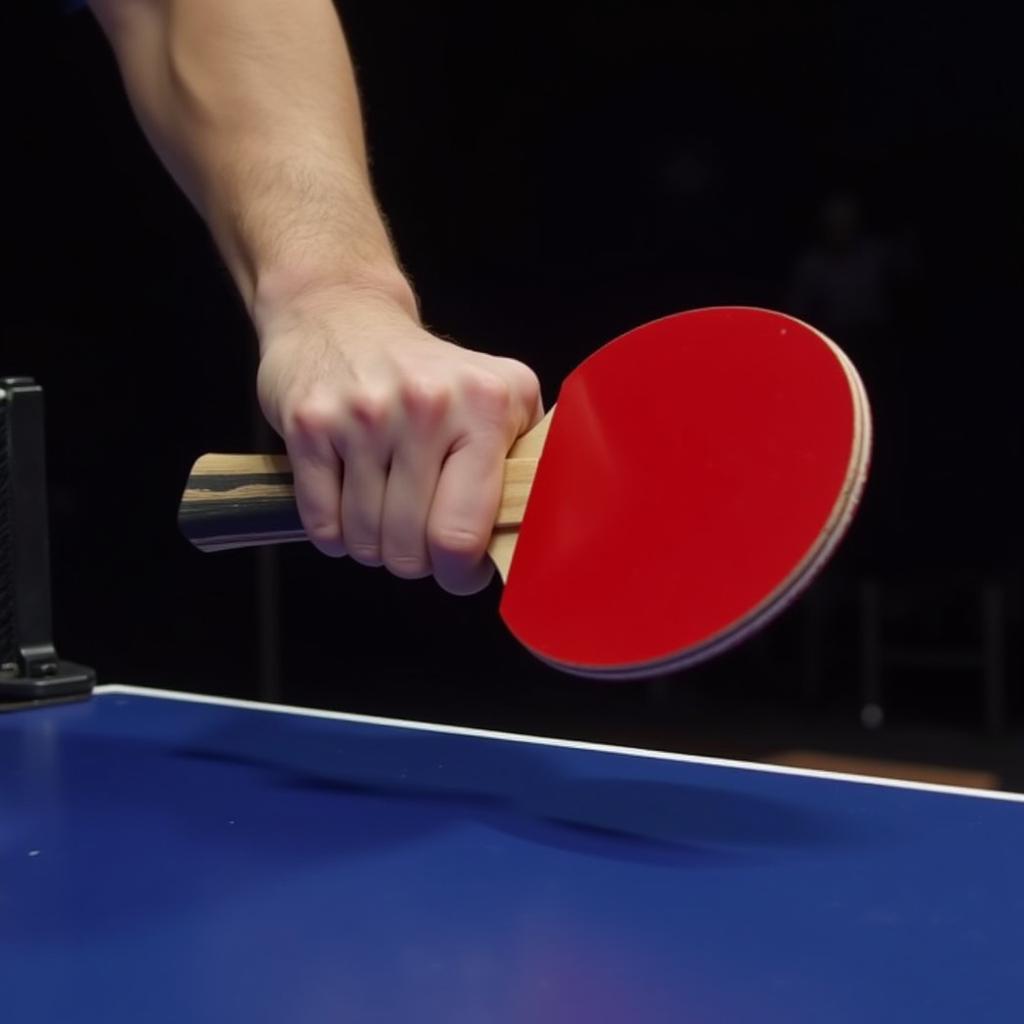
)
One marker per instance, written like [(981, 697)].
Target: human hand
[(397, 438)]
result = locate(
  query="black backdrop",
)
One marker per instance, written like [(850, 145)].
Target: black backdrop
[(553, 173)]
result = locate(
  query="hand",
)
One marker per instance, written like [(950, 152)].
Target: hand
[(397, 437)]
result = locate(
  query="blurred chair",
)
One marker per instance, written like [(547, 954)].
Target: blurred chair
[(954, 624)]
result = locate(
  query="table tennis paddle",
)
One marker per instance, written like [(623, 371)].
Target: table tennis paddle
[(693, 477)]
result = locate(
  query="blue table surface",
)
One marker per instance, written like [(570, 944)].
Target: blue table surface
[(177, 860)]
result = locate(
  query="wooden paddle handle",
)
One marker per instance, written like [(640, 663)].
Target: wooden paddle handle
[(237, 501)]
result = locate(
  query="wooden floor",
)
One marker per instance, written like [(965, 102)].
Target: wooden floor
[(886, 768)]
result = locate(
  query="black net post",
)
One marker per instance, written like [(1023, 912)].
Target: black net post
[(30, 668)]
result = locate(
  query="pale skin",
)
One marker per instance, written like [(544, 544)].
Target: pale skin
[(397, 437)]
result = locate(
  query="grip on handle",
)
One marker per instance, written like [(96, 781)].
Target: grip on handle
[(241, 501), (235, 501)]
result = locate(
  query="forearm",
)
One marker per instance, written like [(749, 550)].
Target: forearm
[(252, 105)]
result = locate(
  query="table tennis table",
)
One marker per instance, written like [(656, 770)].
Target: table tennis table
[(174, 857)]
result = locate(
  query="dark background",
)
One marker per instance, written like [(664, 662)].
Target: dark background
[(554, 174)]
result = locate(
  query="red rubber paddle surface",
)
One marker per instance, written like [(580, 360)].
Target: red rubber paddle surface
[(691, 466)]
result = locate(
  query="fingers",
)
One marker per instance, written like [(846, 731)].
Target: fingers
[(407, 499), (462, 516), (412, 481), (362, 503), (397, 439), (317, 470)]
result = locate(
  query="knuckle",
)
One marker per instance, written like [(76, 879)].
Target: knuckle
[(424, 399), (521, 374), (529, 382), (457, 541), (332, 549), (371, 410), (310, 416), (365, 553), (490, 394), (410, 567), (322, 530), (325, 536)]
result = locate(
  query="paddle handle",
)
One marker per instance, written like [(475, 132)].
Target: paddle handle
[(238, 501)]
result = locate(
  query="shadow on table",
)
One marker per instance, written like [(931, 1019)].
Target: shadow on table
[(522, 789), (128, 825)]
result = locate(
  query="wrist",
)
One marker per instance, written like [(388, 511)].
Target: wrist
[(281, 295)]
